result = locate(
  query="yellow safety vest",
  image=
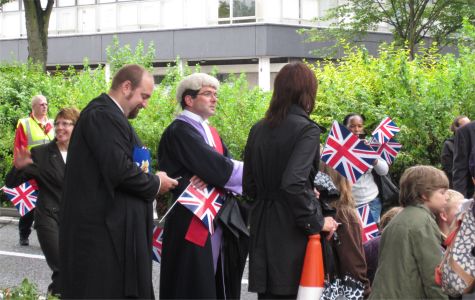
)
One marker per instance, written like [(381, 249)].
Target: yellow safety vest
[(34, 133)]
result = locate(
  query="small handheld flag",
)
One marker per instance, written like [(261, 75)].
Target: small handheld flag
[(370, 228), (387, 151), (346, 153), (385, 130), (204, 204), (157, 242), (23, 196)]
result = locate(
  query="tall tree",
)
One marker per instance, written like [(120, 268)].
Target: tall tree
[(37, 22), (410, 21)]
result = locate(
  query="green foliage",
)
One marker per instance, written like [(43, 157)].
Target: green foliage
[(118, 55), (422, 96), (25, 291), (410, 21)]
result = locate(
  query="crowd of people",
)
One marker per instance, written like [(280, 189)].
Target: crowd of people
[(94, 214)]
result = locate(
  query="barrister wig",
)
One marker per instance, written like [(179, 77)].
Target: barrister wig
[(194, 82)]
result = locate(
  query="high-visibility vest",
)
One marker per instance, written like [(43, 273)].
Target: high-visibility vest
[(34, 133)]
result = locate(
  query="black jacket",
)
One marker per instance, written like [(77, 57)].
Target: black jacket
[(106, 213), (447, 158), (463, 145), (280, 164), (48, 171)]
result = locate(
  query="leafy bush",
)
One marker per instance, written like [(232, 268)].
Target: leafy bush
[(25, 291)]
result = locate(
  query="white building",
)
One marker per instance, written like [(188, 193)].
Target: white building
[(252, 36)]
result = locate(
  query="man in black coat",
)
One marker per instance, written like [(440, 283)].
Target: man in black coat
[(106, 215), (197, 264), (463, 146)]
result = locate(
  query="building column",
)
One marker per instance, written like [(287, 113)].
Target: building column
[(107, 72), (264, 73), (181, 63)]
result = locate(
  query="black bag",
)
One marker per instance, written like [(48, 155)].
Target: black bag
[(388, 191)]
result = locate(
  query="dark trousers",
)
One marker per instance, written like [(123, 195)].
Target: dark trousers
[(47, 229), (25, 223)]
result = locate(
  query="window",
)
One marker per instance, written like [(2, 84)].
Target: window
[(236, 11)]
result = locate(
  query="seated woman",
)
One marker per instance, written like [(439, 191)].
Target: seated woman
[(46, 165), (365, 190), (410, 244)]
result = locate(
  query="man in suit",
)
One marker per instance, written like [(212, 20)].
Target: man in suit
[(463, 145), (106, 222)]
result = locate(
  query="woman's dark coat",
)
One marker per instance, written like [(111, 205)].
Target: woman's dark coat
[(280, 165)]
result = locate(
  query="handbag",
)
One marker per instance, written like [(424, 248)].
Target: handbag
[(388, 192), (456, 272), (343, 288)]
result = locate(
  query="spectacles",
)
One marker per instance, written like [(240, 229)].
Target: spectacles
[(64, 124), (209, 94)]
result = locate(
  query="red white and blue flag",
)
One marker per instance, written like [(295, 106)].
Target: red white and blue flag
[(387, 151), (385, 130), (157, 242), (23, 197), (205, 204), (346, 153), (370, 228)]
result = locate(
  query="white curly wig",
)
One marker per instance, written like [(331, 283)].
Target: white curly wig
[(195, 82)]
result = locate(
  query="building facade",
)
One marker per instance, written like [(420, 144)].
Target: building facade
[(256, 37)]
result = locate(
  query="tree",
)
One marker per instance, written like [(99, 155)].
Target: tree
[(411, 21), (37, 22)]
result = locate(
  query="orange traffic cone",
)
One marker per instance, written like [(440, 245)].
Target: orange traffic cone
[(311, 282)]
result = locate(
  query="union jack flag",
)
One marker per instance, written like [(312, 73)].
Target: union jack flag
[(385, 130), (346, 153), (204, 204), (157, 243), (23, 196), (387, 151), (369, 226)]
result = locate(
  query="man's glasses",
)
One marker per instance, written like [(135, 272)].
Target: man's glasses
[(209, 94), (63, 123)]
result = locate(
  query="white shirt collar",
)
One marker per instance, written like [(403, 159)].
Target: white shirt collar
[(193, 116), (117, 103)]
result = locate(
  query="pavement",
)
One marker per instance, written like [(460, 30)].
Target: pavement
[(19, 262)]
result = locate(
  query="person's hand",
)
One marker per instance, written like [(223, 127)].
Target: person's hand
[(166, 183), (317, 193), (198, 183), (330, 226), (22, 158)]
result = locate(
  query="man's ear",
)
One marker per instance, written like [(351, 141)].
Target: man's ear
[(189, 100), (126, 86)]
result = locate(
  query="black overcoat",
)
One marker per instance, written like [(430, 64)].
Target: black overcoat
[(106, 214), (280, 164), (464, 144), (187, 270)]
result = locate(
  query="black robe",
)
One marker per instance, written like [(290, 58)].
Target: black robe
[(106, 214), (187, 270)]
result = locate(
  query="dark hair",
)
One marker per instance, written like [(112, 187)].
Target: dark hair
[(346, 119), (188, 92), (68, 113), (455, 124), (419, 181), (133, 73), (295, 84)]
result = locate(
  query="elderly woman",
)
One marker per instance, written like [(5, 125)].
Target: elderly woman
[(46, 165), (280, 162)]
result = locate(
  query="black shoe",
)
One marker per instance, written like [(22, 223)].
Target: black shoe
[(24, 242)]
